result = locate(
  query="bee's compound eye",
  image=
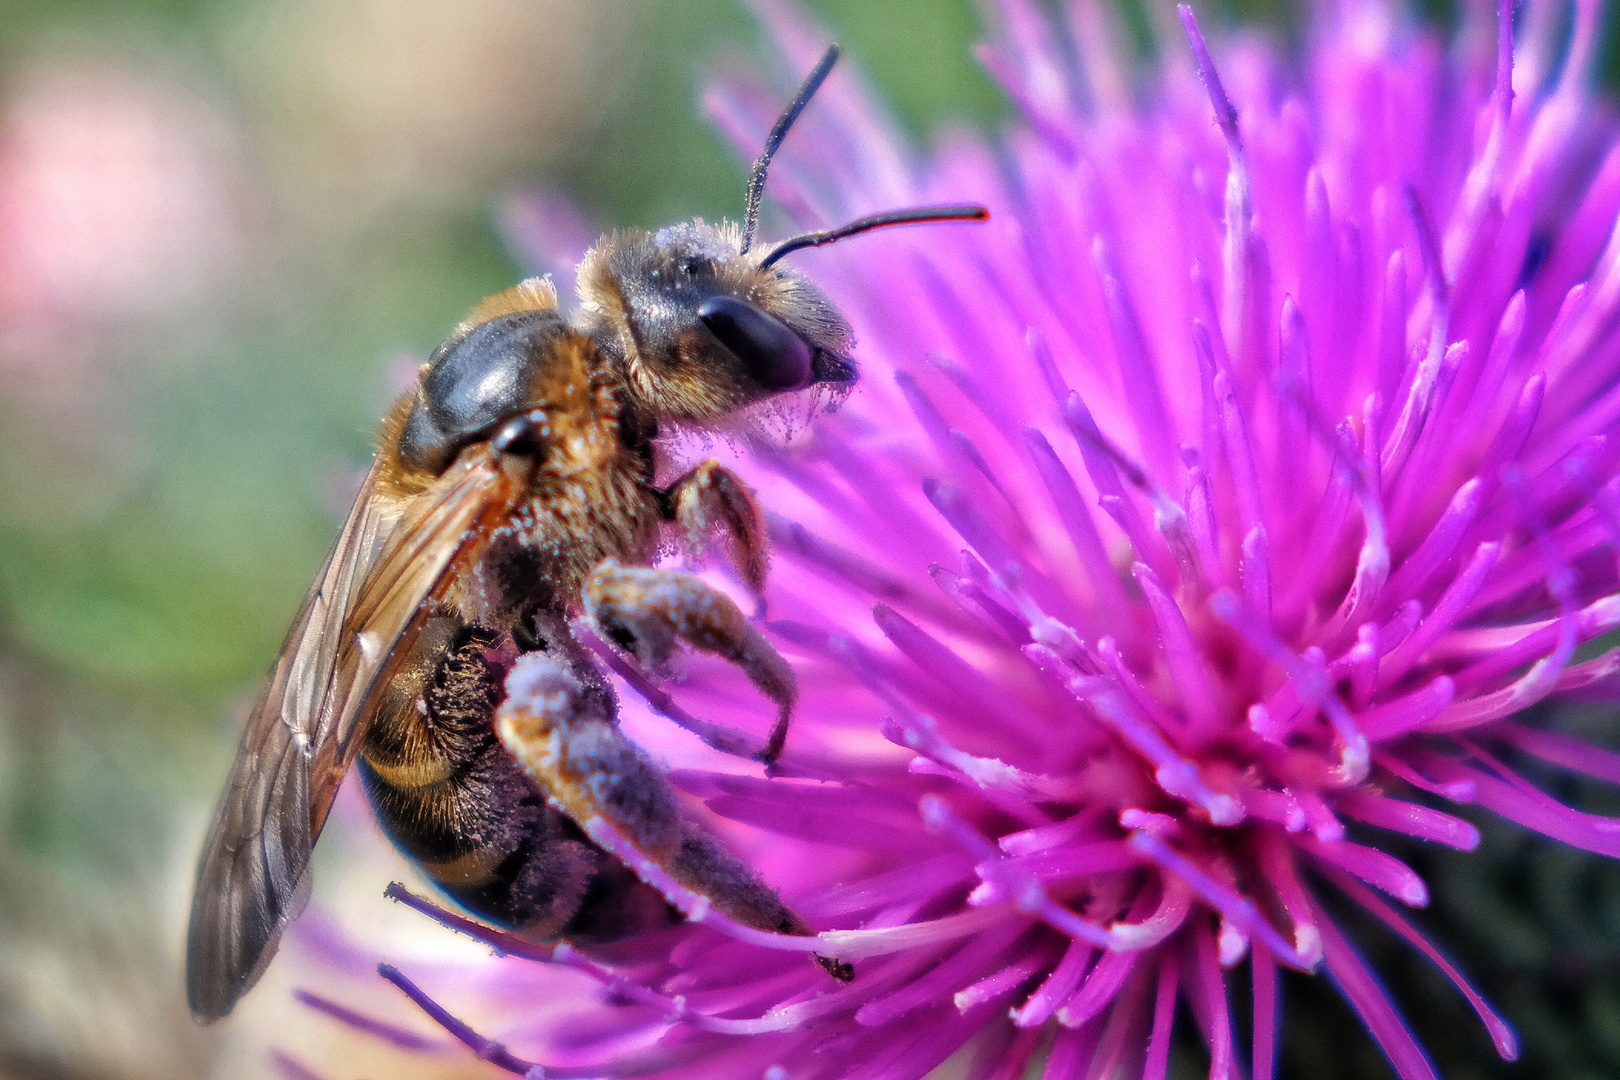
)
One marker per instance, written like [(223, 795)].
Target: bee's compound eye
[(775, 357), (525, 435)]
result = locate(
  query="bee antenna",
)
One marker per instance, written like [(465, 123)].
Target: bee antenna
[(756, 177), (915, 216)]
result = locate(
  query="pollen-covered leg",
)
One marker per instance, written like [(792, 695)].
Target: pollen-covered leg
[(565, 737), (711, 498), (646, 610)]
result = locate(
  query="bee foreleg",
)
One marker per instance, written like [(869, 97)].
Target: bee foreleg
[(566, 739), (647, 609), (712, 497)]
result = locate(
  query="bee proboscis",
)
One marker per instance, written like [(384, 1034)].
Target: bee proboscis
[(514, 490)]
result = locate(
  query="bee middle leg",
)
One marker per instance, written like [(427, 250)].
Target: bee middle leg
[(647, 609), (566, 738)]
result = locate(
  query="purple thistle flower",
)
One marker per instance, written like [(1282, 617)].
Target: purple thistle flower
[(1216, 510)]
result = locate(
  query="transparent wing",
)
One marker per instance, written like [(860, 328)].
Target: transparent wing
[(303, 734)]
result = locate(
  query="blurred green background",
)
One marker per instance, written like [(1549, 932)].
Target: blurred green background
[(226, 229)]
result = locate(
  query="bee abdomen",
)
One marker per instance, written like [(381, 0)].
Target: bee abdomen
[(462, 809), (433, 728)]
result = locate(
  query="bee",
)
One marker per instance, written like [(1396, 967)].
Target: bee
[(514, 492)]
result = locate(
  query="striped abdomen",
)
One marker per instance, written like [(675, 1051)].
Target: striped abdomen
[(456, 803)]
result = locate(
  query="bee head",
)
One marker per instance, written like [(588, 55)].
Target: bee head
[(705, 325), (702, 325), (704, 329)]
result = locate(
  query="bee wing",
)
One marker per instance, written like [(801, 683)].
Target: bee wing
[(305, 731)]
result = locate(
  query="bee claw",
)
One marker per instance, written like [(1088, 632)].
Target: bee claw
[(842, 970)]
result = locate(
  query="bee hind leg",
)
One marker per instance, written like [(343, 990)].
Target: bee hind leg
[(565, 737), (648, 609)]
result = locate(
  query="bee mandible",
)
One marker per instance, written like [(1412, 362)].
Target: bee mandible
[(514, 491)]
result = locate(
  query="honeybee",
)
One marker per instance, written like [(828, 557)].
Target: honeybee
[(514, 491)]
